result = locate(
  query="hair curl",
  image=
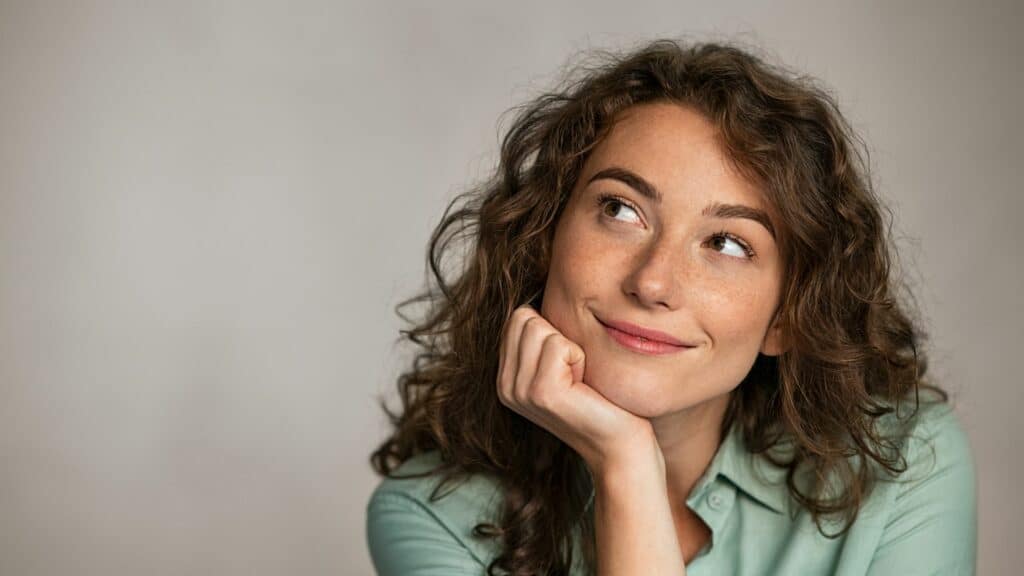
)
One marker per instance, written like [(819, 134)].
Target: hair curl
[(853, 351)]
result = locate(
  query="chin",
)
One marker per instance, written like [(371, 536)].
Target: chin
[(645, 395)]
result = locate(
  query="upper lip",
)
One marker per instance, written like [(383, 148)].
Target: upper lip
[(644, 332)]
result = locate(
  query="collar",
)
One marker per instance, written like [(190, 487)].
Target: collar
[(752, 473)]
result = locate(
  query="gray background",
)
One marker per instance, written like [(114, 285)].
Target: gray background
[(209, 210)]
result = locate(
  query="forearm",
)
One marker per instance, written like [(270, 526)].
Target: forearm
[(634, 528)]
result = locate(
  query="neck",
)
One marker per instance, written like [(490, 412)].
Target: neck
[(689, 440)]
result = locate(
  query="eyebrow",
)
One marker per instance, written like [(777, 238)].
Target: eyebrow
[(715, 209)]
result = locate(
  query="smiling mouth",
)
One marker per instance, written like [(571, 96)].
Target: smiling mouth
[(642, 345)]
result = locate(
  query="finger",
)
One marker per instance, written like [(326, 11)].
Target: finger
[(535, 329), (560, 363), (576, 358), (508, 363)]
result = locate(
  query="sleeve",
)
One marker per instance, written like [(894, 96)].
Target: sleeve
[(406, 539), (933, 526)]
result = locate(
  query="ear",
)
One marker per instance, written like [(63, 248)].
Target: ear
[(774, 339)]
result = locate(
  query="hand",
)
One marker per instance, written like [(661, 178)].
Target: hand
[(540, 376)]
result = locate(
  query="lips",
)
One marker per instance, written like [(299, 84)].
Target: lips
[(642, 344), (645, 333)]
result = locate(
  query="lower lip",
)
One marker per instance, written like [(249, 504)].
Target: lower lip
[(641, 345)]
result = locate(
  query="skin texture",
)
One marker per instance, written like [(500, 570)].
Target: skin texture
[(540, 376), (856, 350), (661, 266), (647, 426)]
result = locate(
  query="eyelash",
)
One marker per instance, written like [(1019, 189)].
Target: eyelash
[(604, 199)]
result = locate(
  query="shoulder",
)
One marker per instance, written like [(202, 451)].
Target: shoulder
[(933, 440), (413, 520), (931, 520)]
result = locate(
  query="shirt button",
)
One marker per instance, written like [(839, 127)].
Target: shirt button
[(715, 500)]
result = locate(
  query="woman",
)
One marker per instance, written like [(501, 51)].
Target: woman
[(675, 348)]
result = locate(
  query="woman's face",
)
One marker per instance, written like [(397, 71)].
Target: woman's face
[(679, 265)]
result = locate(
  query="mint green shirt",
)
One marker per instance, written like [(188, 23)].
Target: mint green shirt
[(923, 523)]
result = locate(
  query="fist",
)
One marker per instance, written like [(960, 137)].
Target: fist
[(540, 376)]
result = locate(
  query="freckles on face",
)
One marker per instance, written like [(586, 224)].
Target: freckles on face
[(670, 264), (572, 278), (733, 308)]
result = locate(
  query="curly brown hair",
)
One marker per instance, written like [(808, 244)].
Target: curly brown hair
[(853, 351)]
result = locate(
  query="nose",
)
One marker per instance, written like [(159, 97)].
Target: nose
[(654, 280)]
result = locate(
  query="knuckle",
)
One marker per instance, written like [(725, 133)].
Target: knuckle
[(532, 320), (522, 312), (511, 321), (535, 325), (516, 390), (518, 397), (552, 341)]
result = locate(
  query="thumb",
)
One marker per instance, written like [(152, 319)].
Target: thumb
[(576, 358)]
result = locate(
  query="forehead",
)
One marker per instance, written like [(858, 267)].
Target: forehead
[(678, 150)]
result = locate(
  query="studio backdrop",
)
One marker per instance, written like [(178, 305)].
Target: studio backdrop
[(209, 211)]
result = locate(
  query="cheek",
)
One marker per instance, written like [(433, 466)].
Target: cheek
[(579, 263), (736, 311), (566, 296)]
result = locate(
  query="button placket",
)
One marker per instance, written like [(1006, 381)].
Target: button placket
[(714, 506)]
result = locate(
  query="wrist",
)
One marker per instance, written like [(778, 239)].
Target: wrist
[(639, 464)]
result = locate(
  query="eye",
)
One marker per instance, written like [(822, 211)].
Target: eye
[(606, 200), (741, 249)]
